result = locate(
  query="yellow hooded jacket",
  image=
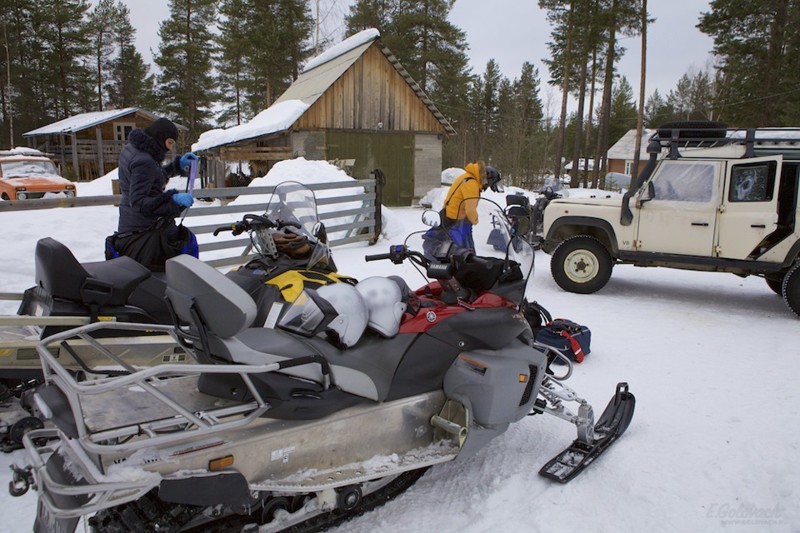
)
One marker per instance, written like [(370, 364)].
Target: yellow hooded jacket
[(466, 187)]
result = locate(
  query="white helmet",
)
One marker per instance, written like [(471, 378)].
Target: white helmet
[(384, 299), (337, 308)]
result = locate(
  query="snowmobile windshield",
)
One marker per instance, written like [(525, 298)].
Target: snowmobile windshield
[(294, 205), (498, 234), (308, 315)]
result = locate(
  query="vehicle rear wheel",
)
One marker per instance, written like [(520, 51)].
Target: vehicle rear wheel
[(581, 265), (776, 284), (791, 289)]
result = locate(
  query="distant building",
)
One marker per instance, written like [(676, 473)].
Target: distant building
[(620, 155), (88, 145), (353, 103)]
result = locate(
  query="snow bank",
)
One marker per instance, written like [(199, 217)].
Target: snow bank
[(449, 175)]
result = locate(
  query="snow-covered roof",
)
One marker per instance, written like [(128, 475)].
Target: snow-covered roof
[(362, 37), (626, 146), (87, 120), (318, 75), (278, 117)]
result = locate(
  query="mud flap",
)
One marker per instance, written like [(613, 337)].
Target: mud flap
[(612, 423), (46, 522)]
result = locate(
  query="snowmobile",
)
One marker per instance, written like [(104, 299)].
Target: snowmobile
[(291, 252), (341, 406)]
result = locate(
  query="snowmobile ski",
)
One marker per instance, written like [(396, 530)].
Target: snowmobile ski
[(580, 454)]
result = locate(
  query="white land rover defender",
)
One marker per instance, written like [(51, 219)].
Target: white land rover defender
[(710, 198)]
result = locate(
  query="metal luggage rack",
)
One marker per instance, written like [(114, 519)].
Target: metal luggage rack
[(772, 139), (109, 415)]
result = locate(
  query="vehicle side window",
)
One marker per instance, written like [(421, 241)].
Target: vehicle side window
[(754, 182), (684, 182)]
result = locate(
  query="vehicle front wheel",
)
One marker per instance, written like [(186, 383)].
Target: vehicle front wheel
[(581, 264), (791, 289)]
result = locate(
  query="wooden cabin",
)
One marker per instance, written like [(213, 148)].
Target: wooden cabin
[(354, 103), (87, 146)]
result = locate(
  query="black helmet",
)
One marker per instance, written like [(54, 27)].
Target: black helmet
[(493, 179)]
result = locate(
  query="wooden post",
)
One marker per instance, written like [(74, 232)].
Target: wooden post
[(101, 166), (63, 151), (380, 180), (75, 162)]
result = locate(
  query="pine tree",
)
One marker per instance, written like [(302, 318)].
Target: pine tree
[(757, 48), (101, 32), (234, 47), (128, 82), (186, 87), (623, 110), (657, 111), (62, 29), (277, 32)]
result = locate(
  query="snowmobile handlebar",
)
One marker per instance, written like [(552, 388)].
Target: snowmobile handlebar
[(456, 259), (251, 222)]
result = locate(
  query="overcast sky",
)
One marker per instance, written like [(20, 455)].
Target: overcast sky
[(514, 31)]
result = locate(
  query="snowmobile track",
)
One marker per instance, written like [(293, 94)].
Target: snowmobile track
[(151, 514)]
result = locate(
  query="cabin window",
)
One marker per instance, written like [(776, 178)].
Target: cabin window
[(122, 130)]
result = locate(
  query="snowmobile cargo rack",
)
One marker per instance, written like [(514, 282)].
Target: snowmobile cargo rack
[(169, 409)]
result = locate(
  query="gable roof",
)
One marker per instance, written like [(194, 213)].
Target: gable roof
[(625, 147), (84, 121), (318, 75)]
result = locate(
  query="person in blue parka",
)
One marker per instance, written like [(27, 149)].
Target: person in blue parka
[(145, 205)]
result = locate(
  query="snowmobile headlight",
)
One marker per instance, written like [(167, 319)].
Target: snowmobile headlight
[(42, 406), (220, 463)]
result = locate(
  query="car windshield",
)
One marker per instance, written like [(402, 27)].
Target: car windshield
[(18, 168)]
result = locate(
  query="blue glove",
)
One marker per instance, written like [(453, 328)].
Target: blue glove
[(186, 160), (183, 199)]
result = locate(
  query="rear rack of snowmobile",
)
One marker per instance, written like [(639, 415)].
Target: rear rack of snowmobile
[(169, 410)]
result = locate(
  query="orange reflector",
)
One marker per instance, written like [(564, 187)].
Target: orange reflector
[(523, 378), (219, 464)]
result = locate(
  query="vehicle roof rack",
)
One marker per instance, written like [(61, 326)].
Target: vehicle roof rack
[(710, 135)]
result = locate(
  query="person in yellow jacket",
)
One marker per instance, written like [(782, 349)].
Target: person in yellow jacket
[(460, 210)]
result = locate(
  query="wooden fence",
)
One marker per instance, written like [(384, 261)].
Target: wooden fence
[(365, 224)]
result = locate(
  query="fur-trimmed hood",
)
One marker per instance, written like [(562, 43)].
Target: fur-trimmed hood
[(142, 141)]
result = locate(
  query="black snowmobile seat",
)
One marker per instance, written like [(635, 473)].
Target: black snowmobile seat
[(228, 312), (102, 283)]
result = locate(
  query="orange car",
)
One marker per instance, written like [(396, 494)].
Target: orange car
[(25, 175)]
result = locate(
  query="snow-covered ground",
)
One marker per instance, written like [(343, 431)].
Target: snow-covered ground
[(711, 358)]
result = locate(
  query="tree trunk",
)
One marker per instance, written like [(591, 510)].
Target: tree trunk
[(590, 115), (608, 82), (640, 116), (562, 124)]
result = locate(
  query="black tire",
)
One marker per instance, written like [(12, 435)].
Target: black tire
[(581, 265), (791, 289), (776, 284), (5, 197)]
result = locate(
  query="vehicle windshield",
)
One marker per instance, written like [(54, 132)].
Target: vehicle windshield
[(294, 206), (19, 168)]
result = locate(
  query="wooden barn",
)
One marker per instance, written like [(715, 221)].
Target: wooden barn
[(88, 145), (353, 103)]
